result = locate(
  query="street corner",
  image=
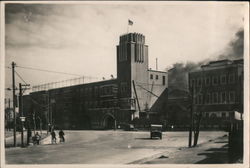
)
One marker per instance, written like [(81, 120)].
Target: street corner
[(213, 151)]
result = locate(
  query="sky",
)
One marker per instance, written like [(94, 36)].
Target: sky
[(81, 38)]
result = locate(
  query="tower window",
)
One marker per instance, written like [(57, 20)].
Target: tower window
[(151, 76), (156, 77)]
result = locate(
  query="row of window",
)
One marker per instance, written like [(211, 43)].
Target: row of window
[(214, 80), (213, 115), (109, 103), (216, 98), (157, 77), (96, 90)]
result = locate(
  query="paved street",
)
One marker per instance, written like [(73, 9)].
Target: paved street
[(108, 147)]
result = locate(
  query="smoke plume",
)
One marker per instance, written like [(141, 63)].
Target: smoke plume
[(235, 48), (178, 75)]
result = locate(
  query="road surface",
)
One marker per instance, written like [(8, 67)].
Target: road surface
[(103, 147)]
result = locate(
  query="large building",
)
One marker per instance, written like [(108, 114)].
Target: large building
[(217, 91), (138, 91)]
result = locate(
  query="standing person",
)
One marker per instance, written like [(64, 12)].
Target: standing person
[(37, 138), (29, 135), (61, 136), (53, 137)]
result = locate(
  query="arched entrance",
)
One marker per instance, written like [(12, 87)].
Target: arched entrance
[(109, 121)]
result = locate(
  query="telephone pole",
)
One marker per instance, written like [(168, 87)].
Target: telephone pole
[(21, 108), (14, 101), (191, 118), (9, 115)]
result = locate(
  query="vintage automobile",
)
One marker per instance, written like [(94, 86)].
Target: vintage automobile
[(155, 131)]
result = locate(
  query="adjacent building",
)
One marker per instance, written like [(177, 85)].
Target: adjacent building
[(217, 91)]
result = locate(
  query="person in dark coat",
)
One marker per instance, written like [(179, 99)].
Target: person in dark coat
[(53, 137), (37, 138), (61, 136)]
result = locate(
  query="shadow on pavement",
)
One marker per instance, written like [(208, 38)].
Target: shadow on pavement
[(144, 138), (215, 156), (148, 138), (221, 142)]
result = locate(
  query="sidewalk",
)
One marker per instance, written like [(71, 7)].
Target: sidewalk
[(10, 139), (212, 152)]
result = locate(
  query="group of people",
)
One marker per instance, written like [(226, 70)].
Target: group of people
[(36, 138), (53, 136)]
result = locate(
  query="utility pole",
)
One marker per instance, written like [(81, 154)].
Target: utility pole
[(191, 118), (21, 109), (9, 114), (48, 115), (14, 101), (5, 115)]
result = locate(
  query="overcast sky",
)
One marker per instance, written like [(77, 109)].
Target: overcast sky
[(82, 38)]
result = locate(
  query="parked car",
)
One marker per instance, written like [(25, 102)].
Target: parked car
[(155, 131)]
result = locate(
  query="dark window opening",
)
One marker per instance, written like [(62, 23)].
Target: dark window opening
[(223, 79), (207, 81), (151, 76), (231, 78), (223, 98), (232, 97), (215, 80), (223, 115)]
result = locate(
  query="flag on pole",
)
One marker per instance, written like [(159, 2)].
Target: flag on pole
[(130, 22)]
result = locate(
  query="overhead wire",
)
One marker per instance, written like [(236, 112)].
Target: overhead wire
[(45, 70), (20, 77)]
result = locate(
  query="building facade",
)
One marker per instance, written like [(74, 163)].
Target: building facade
[(108, 103), (217, 91)]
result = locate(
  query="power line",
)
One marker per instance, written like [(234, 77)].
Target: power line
[(44, 70), (21, 77)]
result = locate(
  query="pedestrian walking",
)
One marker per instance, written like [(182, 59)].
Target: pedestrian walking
[(53, 137), (37, 138), (61, 136)]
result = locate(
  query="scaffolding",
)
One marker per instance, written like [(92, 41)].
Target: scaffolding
[(64, 83)]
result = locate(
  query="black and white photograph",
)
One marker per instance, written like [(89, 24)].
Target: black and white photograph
[(124, 83)]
